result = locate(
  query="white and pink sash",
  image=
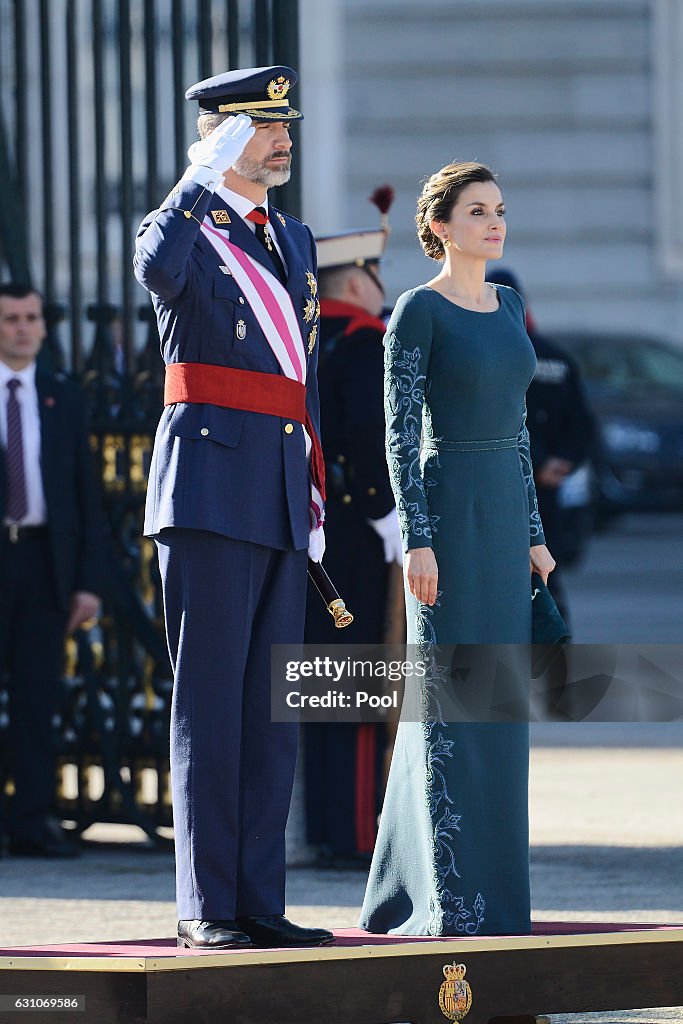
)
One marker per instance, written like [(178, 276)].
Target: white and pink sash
[(272, 306)]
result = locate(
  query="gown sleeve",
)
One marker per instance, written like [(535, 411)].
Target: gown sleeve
[(536, 535), (407, 347)]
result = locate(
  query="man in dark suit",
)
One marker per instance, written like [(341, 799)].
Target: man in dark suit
[(50, 537), (234, 499)]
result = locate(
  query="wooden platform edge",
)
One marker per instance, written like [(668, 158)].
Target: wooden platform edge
[(446, 947)]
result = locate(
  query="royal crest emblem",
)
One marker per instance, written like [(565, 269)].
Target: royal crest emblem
[(220, 216), (278, 88), (455, 994), (241, 330)]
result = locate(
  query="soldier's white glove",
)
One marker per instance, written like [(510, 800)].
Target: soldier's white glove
[(316, 544), (211, 157), (388, 529)]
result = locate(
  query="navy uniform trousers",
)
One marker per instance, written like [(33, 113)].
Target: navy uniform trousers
[(230, 855)]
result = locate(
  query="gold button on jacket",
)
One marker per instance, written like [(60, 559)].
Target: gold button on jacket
[(204, 431), (289, 428)]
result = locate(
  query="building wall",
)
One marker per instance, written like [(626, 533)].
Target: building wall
[(561, 97)]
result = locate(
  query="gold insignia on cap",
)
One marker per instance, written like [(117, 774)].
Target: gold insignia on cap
[(278, 88), (311, 339), (281, 219), (220, 216)]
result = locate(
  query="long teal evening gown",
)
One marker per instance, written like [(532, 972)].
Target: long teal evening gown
[(452, 854)]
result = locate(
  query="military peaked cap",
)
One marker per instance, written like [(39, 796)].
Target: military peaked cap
[(261, 93)]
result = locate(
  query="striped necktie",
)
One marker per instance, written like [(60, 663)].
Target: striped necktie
[(17, 504)]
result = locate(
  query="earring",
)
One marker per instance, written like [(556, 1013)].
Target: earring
[(446, 242)]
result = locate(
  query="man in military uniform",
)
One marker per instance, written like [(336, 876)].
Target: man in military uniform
[(235, 497), (561, 427), (344, 761)]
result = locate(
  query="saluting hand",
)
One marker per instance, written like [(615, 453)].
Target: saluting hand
[(422, 573), (224, 145)]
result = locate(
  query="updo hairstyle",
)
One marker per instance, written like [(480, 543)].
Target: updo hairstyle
[(439, 195)]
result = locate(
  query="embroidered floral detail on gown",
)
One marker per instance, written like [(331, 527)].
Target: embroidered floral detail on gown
[(452, 853)]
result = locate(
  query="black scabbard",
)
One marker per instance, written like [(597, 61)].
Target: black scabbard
[(330, 595)]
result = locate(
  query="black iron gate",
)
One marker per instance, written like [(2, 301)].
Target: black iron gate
[(94, 130)]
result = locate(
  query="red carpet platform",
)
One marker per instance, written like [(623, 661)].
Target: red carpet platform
[(363, 979)]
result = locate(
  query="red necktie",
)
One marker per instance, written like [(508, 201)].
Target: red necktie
[(17, 504), (260, 219)]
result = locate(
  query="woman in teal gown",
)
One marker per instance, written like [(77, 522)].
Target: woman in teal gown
[(452, 853)]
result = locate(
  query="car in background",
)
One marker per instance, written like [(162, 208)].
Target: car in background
[(634, 385)]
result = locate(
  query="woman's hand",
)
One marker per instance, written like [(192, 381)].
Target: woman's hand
[(542, 561), (423, 574)]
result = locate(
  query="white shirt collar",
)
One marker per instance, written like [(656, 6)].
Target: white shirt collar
[(27, 376), (239, 203)]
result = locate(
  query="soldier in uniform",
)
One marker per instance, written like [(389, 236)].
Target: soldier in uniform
[(235, 497), (561, 428), (344, 761)]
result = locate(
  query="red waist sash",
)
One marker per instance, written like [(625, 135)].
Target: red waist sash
[(205, 384)]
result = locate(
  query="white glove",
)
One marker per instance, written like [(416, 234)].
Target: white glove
[(316, 544), (224, 145), (388, 529)]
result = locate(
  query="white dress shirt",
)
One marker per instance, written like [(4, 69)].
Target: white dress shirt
[(27, 396), (240, 204)]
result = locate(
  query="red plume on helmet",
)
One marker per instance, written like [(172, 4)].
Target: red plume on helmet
[(383, 197)]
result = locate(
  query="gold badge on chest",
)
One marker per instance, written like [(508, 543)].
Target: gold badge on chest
[(241, 330), (312, 309)]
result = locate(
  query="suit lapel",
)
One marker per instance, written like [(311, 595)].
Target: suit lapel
[(292, 258), (49, 455), (298, 283)]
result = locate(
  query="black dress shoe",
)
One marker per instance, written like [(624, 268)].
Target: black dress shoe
[(276, 931), (212, 935), (47, 840)]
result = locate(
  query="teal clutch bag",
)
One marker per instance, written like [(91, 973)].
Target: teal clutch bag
[(548, 629)]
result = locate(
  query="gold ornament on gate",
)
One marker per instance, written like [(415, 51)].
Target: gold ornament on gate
[(455, 994)]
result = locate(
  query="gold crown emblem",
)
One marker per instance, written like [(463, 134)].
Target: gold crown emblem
[(455, 972), (278, 88)]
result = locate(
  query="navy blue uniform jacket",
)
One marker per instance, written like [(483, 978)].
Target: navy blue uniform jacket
[(236, 473)]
